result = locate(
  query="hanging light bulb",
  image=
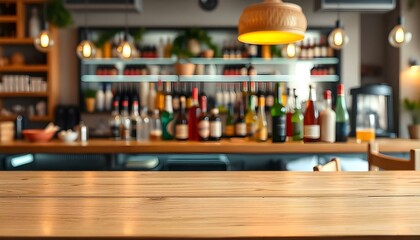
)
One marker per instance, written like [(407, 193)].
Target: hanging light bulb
[(86, 49), (398, 35), (43, 42), (126, 50), (291, 50), (338, 38)]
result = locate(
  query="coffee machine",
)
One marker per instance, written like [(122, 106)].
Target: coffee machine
[(376, 100)]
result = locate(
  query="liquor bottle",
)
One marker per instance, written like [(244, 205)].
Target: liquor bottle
[(289, 112), (324, 47), (240, 123), (232, 94), (261, 133), (317, 49), (304, 49), (193, 113), (125, 127), (115, 121), (100, 99), (161, 49), (135, 117), (155, 126), (245, 94), (250, 119), (230, 122), (278, 115), (181, 124), (215, 125), (342, 115), (327, 120), (143, 127), (151, 97), (108, 97), (310, 50), (160, 97), (203, 121), (189, 96), (311, 128), (269, 97), (252, 94), (168, 48), (219, 96), (167, 119), (297, 120), (175, 97)]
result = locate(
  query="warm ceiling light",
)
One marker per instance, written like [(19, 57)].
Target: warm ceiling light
[(398, 35), (272, 22), (338, 38), (86, 49), (291, 50), (126, 50), (43, 42)]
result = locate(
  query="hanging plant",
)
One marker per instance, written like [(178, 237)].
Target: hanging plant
[(181, 43), (58, 15), (105, 36), (137, 34)]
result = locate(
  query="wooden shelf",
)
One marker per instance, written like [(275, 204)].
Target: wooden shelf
[(22, 94), (8, 19), (24, 68), (33, 1), (16, 41), (32, 118)]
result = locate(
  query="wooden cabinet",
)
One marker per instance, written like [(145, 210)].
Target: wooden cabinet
[(43, 66)]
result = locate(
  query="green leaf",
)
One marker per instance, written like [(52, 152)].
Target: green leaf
[(58, 15)]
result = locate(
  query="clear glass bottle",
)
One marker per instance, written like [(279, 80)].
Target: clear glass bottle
[(155, 126), (250, 118), (215, 125), (203, 121), (135, 117), (297, 120), (125, 127), (143, 127)]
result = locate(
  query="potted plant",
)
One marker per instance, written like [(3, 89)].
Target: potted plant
[(188, 44), (414, 108), (90, 96)]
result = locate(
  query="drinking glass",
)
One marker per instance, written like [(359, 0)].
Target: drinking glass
[(365, 127)]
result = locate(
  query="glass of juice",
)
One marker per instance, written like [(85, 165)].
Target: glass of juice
[(365, 127)]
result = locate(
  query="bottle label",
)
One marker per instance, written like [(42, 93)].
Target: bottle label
[(230, 130), (279, 128), (261, 134), (170, 127), (250, 129), (181, 131), (240, 129), (297, 131), (311, 131), (204, 129), (269, 101), (216, 129)]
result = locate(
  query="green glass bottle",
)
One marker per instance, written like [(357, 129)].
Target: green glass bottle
[(297, 120), (167, 119), (278, 115)]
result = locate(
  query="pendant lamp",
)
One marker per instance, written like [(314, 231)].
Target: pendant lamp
[(272, 22), (44, 42), (125, 49), (86, 49), (398, 35), (338, 37)]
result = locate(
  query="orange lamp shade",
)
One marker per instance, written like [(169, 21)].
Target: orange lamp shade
[(272, 22)]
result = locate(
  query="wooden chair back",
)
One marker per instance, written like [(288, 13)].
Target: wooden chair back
[(332, 166), (378, 160)]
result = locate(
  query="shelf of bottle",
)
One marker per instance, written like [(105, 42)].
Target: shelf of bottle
[(207, 78), (129, 78), (132, 61), (22, 94), (219, 61)]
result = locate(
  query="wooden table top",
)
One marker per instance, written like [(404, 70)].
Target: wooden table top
[(225, 146), (252, 205)]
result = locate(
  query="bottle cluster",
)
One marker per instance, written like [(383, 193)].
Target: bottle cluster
[(242, 110), (323, 70)]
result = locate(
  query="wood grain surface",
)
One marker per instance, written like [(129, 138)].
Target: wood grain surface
[(200, 205), (225, 146)]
